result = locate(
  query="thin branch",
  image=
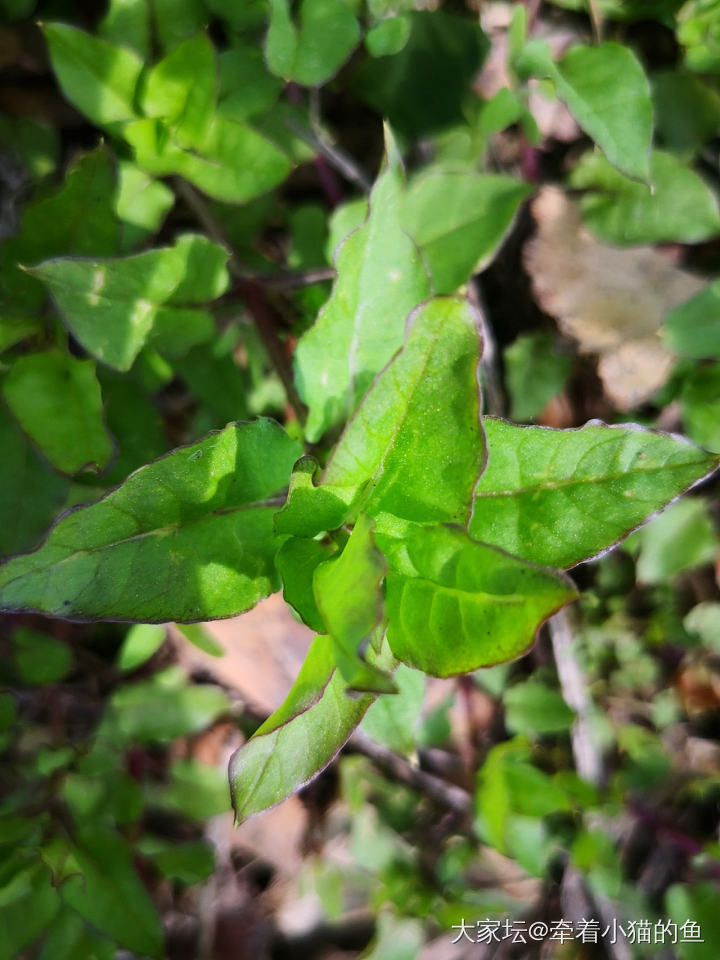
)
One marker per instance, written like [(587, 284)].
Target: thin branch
[(252, 293), (292, 281), (446, 795), (573, 683), (335, 156)]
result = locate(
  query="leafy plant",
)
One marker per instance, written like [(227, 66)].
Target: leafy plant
[(366, 469)]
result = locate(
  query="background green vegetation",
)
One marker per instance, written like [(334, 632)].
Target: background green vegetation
[(188, 170)]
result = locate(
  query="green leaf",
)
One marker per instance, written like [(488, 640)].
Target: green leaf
[(534, 709), (681, 538), (296, 563), (127, 23), (28, 903), (441, 584), (30, 494), (247, 89), (40, 658), (408, 452), (195, 790), (388, 37), (188, 537), (536, 371), (458, 220), (163, 708), (681, 207), (559, 497), (312, 508), (395, 720), (141, 204), (695, 907), (134, 421), (182, 89), (380, 278), (301, 738), (56, 400), (112, 306), (190, 863), (693, 328), (99, 78), (606, 90), (140, 643), (110, 895), (422, 88), (700, 403), (78, 219), (687, 111), (313, 51), (213, 165), (176, 20), (349, 597)]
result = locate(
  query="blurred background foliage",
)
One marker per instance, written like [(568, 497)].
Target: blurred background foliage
[(580, 781)]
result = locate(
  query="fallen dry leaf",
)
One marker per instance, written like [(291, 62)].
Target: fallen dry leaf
[(264, 650), (610, 300)]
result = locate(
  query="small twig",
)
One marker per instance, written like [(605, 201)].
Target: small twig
[(447, 795), (291, 281), (335, 156), (596, 19), (588, 759), (252, 293)]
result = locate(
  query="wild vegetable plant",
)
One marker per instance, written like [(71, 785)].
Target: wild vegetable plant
[(363, 476)]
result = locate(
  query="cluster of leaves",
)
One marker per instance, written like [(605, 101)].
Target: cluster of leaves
[(408, 528)]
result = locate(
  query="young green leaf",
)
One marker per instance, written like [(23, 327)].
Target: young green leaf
[(606, 90), (458, 220), (188, 537), (536, 371), (112, 306), (56, 400), (212, 165), (313, 51), (395, 720), (297, 560), (312, 508), (693, 328), (423, 87), (182, 90), (559, 497), (681, 538), (680, 208), (162, 708), (700, 404), (416, 455), (109, 894), (454, 604), (301, 738), (141, 204), (348, 593), (100, 79), (380, 278), (31, 494), (141, 641)]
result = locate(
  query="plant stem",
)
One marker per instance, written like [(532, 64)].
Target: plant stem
[(252, 292), (447, 795)]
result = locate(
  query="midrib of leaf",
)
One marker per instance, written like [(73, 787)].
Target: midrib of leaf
[(498, 599), (167, 530), (371, 482), (359, 312), (581, 481), (596, 116)]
